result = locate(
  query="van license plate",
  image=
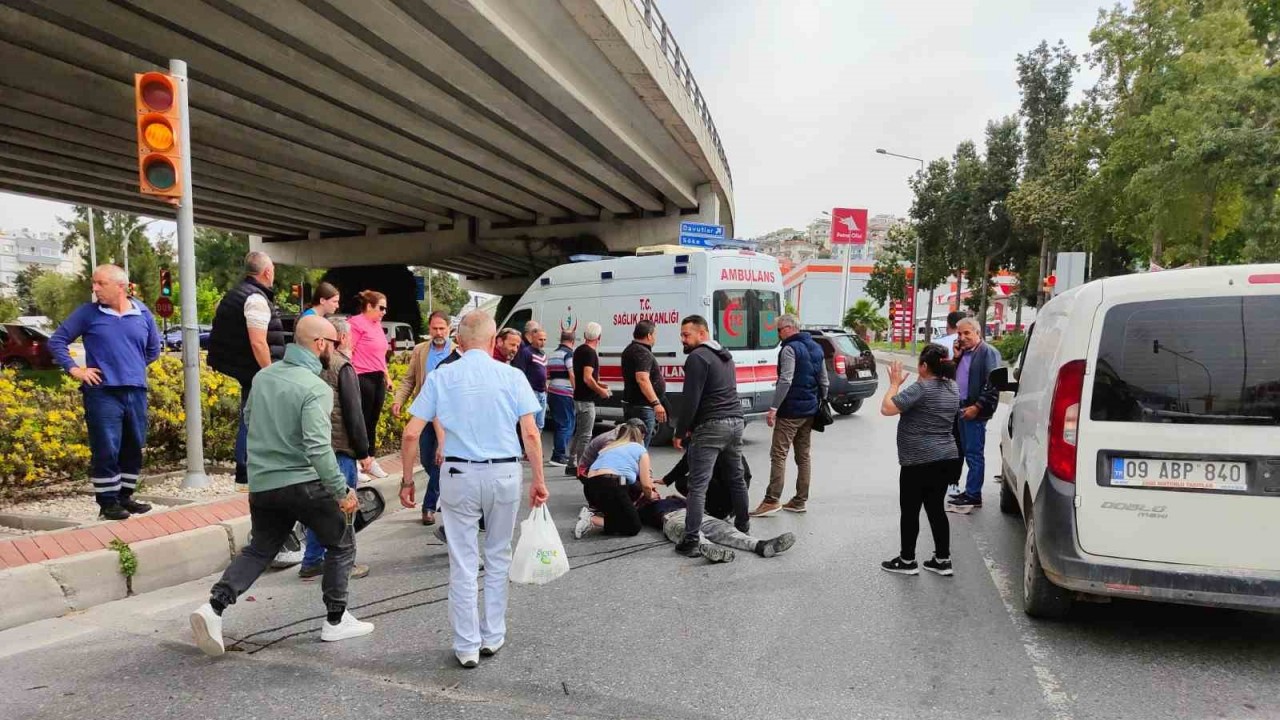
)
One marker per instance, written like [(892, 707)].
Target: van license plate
[(1179, 474)]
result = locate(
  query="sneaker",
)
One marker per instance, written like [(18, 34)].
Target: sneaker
[(688, 548), (571, 470), (765, 509), (307, 572), (206, 625), (554, 462), (467, 660), (376, 470), (940, 566), (134, 507), (900, 566), (716, 553), (349, 627), (491, 650), (113, 512), (363, 478), (439, 533), (780, 544), (359, 571), (583, 525), (966, 500), (795, 507)]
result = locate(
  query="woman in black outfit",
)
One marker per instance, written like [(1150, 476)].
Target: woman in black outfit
[(927, 453)]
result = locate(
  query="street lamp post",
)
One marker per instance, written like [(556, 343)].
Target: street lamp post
[(128, 235), (915, 269)]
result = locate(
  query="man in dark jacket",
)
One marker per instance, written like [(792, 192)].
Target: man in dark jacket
[(978, 401), (247, 335), (802, 384), (711, 422)]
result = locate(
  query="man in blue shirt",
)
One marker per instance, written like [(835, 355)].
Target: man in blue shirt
[(474, 406), (120, 341)]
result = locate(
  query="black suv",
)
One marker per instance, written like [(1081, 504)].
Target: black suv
[(851, 367)]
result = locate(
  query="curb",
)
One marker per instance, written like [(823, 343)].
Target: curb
[(50, 574)]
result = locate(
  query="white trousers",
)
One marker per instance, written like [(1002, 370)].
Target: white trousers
[(466, 492)]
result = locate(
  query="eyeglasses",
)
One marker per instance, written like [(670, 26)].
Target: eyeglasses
[(329, 340), (382, 308)]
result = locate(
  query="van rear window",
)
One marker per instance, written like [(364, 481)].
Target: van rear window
[(1198, 361), (747, 319)]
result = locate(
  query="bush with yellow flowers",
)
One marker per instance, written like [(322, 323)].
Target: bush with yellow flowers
[(44, 447)]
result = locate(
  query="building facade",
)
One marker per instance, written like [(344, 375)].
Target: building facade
[(20, 249)]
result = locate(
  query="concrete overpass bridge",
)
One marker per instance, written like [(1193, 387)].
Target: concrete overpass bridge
[(486, 137)]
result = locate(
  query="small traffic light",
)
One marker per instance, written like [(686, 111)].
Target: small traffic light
[(158, 121), (166, 283), (133, 289), (295, 292)]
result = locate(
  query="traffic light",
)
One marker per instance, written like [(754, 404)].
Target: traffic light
[(166, 283), (295, 292), (133, 289), (1049, 283), (159, 158)]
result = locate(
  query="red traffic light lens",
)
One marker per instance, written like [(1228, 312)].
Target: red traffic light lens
[(159, 172), (157, 91)]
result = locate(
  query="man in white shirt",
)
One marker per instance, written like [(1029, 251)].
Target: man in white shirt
[(948, 341)]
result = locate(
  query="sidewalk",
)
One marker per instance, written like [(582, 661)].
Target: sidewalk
[(52, 573)]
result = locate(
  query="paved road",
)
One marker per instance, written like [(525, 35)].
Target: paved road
[(635, 631)]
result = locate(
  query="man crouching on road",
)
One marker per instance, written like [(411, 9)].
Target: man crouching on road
[(474, 406), (293, 477)]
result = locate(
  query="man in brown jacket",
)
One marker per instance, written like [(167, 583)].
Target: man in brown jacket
[(426, 357)]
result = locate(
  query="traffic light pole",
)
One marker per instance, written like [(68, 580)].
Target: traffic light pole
[(195, 477)]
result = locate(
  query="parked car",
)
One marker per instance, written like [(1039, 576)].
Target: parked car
[(23, 347), (1141, 448), (851, 368), (173, 337)]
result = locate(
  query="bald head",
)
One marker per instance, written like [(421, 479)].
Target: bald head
[(476, 331), (311, 328)]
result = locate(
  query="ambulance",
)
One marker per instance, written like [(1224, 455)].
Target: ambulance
[(739, 292)]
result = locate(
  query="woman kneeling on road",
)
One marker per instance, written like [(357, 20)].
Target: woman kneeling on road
[(616, 479), (927, 453)]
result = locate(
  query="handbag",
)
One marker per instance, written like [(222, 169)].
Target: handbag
[(539, 556), (825, 415)]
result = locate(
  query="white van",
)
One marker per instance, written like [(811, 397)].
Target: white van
[(739, 292), (1143, 446)]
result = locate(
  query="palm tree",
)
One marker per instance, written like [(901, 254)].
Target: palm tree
[(864, 316)]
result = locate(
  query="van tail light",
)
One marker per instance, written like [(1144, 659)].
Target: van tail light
[(1064, 421), (840, 365)]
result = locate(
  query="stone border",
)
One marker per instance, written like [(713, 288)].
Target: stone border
[(49, 574)]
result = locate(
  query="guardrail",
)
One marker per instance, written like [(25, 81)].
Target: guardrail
[(658, 26)]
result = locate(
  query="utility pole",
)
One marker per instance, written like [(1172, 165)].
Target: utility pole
[(915, 273), (93, 253), (195, 477)]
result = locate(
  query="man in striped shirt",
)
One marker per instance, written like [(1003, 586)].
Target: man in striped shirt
[(560, 395)]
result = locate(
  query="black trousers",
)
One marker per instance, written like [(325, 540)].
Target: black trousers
[(611, 498), (926, 485), (273, 514), (373, 393)]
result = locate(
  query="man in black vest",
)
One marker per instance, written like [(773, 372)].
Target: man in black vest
[(802, 384), (247, 336)]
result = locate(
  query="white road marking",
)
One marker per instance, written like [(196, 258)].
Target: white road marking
[(1051, 689)]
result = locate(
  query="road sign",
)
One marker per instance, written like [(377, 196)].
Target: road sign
[(848, 226), (698, 241), (693, 228), (421, 285), (164, 307)]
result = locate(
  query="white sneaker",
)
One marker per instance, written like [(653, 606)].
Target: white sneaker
[(467, 660), (584, 523), (348, 628), (491, 650), (206, 625), (363, 478), (376, 470)]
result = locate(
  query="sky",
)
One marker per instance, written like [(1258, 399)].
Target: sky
[(804, 91)]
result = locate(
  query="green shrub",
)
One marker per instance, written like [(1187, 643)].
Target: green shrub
[(1010, 345)]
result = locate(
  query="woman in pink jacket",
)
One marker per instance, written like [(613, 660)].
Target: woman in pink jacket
[(369, 357)]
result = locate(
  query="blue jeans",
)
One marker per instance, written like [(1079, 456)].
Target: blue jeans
[(427, 456), (645, 413), (117, 421), (973, 437), (314, 553), (541, 418), (561, 407), (242, 437)]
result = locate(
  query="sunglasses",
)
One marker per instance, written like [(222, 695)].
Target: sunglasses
[(382, 308), (334, 341)]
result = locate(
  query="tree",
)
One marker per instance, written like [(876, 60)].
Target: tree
[(863, 316), (57, 295), (110, 231), (447, 293), (22, 288), (10, 309), (220, 257), (938, 255)]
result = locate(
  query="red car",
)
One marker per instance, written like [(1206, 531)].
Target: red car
[(23, 347)]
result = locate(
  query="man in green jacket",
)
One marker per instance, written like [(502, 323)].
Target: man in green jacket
[(293, 477)]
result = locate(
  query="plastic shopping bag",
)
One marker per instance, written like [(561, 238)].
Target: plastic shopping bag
[(539, 556)]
